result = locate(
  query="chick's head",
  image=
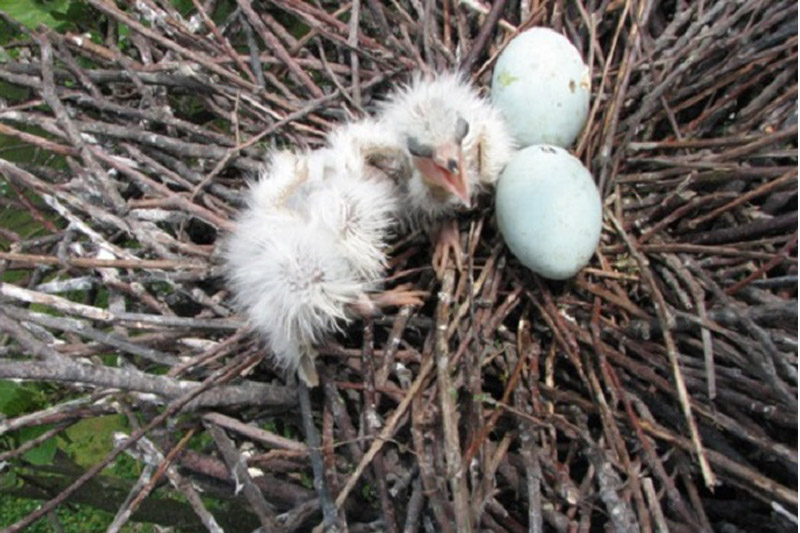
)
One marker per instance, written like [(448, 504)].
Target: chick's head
[(431, 119)]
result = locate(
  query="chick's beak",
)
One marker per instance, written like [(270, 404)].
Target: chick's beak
[(446, 170)]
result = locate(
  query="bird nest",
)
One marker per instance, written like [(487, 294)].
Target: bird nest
[(656, 390)]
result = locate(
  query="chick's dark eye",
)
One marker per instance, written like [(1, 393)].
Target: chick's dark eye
[(462, 128), (419, 150)]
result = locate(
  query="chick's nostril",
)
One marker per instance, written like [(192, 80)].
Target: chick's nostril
[(452, 166)]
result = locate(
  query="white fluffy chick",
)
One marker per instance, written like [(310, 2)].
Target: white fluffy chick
[(457, 144), (307, 249)]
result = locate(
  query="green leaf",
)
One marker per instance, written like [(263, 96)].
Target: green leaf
[(33, 13), (15, 398), (42, 454)]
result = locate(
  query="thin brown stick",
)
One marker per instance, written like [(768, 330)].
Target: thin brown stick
[(664, 318)]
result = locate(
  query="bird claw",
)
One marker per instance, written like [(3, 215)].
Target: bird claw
[(399, 296), (369, 306), (448, 240)]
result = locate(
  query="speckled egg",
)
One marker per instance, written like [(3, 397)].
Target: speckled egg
[(542, 86), (549, 211)]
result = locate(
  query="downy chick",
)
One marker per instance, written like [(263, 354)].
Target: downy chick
[(307, 249), (456, 143)]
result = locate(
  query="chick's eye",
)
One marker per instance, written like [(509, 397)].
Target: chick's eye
[(462, 128), (419, 150)]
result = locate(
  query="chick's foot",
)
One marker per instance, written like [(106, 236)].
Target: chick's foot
[(371, 305), (400, 296), (448, 240)]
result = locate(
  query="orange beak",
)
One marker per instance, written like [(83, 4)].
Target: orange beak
[(446, 171)]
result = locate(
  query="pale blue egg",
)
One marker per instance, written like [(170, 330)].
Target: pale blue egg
[(542, 86), (549, 211)]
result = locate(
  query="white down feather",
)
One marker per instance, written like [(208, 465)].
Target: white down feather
[(309, 243)]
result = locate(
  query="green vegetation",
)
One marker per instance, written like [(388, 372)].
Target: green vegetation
[(55, 14), (73, 518)]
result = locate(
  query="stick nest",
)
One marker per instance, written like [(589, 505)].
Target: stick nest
[(655, 391)]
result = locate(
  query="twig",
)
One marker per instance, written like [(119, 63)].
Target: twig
[(262, 435), (483, 36), (664, 318), (456, 473), (352, 40), (92, 262), (150, 477), (171, 410), (81, 328), (782, 256), (49, 94), (242, 479), (753, 479), (387, 431), (372, 423), (329, 508), (414, 508), (33, 443), (278, 48)]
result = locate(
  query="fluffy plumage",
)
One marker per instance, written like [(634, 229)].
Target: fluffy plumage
[(307, 248), (456, 141), (378, 146)]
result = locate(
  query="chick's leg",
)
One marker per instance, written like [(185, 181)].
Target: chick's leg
[(370, 305), (447, 240)]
